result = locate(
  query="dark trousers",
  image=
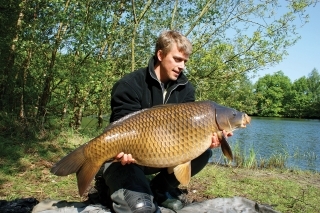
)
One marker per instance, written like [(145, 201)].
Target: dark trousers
[(130, 190)]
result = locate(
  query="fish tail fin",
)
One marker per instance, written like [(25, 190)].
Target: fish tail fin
[(70, 163), (85, 175), (76, 162)]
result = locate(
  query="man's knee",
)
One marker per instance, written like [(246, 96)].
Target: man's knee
[(129, 189), (130, 201), (130, 177)]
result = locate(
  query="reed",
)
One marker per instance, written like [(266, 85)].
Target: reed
[(250, 160)]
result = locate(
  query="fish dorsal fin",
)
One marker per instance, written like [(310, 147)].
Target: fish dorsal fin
[(117, 122), (183, 173)]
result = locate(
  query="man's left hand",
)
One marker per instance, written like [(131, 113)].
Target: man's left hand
[(215, 140)]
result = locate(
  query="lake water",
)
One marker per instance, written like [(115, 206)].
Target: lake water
[(298, 139)]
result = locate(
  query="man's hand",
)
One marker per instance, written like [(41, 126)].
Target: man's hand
[(215, 140), (124, 158)]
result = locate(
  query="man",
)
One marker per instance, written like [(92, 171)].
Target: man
[(161, 82)]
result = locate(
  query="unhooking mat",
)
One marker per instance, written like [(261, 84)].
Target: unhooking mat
[(217, 205)]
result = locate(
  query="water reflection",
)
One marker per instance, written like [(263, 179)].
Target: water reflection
[(299, 139)]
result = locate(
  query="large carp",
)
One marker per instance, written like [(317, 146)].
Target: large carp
[(165, 136)]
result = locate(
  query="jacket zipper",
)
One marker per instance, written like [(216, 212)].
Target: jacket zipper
[(166, 100)]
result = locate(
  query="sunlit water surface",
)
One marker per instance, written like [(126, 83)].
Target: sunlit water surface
[(298, 139)]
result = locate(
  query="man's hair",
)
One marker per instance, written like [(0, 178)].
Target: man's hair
[(167, 38)]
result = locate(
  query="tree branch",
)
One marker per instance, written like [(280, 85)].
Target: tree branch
[(204, 11), (173, 13)]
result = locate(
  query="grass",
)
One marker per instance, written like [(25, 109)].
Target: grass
[(284, 190), (25, 167), (250, 160), (25, 172)]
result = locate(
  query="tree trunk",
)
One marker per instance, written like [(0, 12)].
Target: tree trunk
[(46, 92), (9, 33)]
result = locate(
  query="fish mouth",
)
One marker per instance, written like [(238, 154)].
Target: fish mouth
[(245, 120)]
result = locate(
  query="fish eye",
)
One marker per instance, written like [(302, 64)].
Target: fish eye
[(234, 114)]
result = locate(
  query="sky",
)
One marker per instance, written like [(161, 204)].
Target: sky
[(304, 56)]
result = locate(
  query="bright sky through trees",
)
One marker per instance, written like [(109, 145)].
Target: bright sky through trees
[(304, 56)]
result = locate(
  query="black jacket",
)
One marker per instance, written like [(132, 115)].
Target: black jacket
[(141, 89)]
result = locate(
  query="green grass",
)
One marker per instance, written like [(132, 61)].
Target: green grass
[(25, 172), (25, 167), (250, 160), (285, 191)]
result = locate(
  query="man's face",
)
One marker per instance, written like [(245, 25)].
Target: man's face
[(172, 64)]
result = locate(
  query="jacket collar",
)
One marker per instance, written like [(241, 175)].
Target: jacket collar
[(182, 79)]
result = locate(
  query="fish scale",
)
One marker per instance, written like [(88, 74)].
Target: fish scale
[(190, 138), (165, 136)]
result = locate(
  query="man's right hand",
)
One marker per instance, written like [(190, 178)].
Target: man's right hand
[(124, 158)]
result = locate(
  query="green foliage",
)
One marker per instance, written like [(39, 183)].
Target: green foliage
[(314, 89), (303, 99), (271, 91), (60, 59), (299, 98)]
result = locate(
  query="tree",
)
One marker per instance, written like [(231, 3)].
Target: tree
[(314, 88), (271, 92), (61, 58), (299, 99), (10, 24)]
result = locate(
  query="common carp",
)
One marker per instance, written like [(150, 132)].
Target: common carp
[(164, 136)]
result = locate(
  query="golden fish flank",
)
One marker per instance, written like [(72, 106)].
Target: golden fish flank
[(165, 136)]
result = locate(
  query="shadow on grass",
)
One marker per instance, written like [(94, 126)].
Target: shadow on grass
[(25, 165)]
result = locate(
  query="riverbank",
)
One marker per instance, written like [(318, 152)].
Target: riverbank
[(25, 172)]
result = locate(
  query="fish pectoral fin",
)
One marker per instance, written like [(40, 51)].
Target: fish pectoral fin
[(226, 148), (183, 173)]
